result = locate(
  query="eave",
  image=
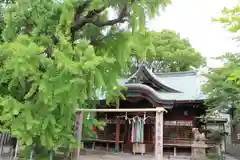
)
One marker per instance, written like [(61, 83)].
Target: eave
[(143, 71)]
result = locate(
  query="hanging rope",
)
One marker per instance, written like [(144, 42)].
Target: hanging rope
[(145, 117)]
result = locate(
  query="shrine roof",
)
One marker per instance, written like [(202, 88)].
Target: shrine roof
[(188, 83), (182, 86), (174, 86)]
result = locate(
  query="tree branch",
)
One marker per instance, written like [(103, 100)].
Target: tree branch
[(120, 19), (95, 12), (91, 17), (80, 9), (98, 41), (81, 21)]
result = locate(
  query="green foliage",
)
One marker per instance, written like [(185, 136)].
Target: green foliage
[(216, 135), (230, 18), (223, 86), (213, 155), (168, 52), (55, 55)]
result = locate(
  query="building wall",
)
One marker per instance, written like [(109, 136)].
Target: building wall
[(233, 148), (227, 125), (235, 127), (235, 131)]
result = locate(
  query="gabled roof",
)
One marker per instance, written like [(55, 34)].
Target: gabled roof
[(177, 86), (143, 73), (148, 93), (188, 83), (180, 86)]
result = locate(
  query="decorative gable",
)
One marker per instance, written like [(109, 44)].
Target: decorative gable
[(145, 76)]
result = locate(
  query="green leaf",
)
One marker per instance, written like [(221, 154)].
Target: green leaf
[(89, 53), (16, 110), (29, 127), (29, 141), (43, 139), (32, 90), (45, 123)]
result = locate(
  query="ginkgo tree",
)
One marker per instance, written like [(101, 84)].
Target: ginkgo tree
[(55, 55)]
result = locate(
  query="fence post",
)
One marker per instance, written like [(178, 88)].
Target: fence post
[(78, 134), (159, 135)]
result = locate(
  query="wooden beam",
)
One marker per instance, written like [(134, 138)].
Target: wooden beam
[(160, 109), (117, 135)]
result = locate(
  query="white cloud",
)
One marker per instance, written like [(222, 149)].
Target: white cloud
[(193, 20)]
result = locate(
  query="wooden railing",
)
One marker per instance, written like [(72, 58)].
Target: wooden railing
[(185, 141), (176, 140)]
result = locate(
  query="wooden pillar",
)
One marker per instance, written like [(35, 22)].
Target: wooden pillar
[(175, 151), (117, 134), (78, 135), (159, 136)]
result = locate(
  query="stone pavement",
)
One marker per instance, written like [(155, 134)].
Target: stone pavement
[(130, 157), (229, 157), (126, 157), (138, 157), (115, 157)]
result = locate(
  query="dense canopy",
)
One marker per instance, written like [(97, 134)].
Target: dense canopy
[(223, 86), (170, 53), (54, 55)]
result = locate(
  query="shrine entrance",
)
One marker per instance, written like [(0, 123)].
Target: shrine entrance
[(159, 92), (158, 153), (129, 132)]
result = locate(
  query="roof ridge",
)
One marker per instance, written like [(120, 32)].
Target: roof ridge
[(183, 73), (152, 75)]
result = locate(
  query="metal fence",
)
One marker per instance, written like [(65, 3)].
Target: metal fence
[(7, 146)]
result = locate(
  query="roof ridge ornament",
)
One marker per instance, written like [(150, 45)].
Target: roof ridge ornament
[(143, 74)]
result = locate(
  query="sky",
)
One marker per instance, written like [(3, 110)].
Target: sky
[(192, 19)]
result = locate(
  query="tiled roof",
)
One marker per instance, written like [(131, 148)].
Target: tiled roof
[(188, 85)]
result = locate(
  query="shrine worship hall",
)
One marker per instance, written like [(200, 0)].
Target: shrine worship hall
[(179, 93)]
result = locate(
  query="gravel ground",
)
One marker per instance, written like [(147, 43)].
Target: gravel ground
[(130, 157), (125, 157)]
